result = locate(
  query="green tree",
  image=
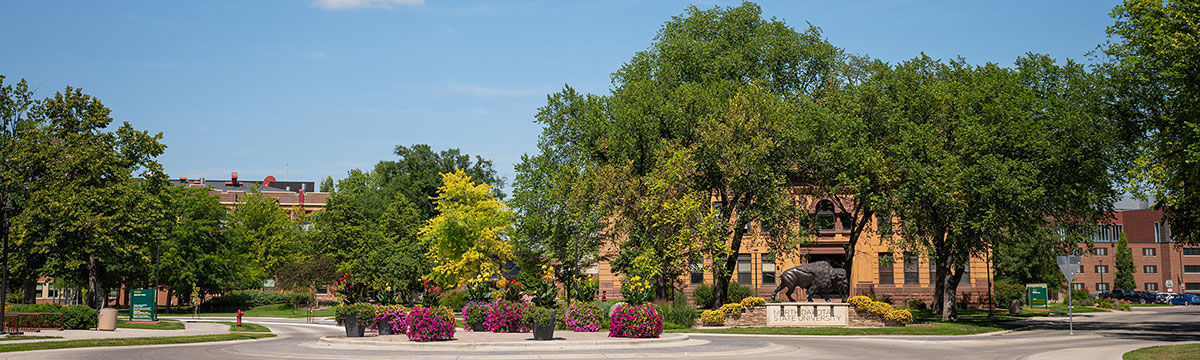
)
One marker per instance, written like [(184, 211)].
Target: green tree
[(1123, 278), (327, 184), (1155, 76), (416, 174), (196, 255), (469, 237), (79, 212), (264, 235)]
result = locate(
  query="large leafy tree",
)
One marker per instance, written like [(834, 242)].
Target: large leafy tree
[(468, 239), (1155, 75), (196, 255), (79, 213), (416, 174), (265, 236), (713, 93), (984, 153), (1123, 260)]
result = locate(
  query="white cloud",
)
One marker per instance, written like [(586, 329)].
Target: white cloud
[(363, 4), (477, 90)]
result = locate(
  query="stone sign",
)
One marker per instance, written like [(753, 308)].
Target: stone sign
[(808, 314)]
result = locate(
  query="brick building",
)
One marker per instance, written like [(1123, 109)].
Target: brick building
[(1159, 265), (877, 269)]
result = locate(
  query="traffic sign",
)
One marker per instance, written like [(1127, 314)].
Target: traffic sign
[(1069, 265)]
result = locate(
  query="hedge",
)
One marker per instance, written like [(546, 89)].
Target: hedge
[(254, 298)]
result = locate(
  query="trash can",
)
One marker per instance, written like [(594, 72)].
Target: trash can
[(108, 319)]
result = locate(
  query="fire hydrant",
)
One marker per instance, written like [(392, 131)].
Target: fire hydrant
[(239, 322)]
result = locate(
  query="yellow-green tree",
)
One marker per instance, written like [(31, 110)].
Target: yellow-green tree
[(468, 237)]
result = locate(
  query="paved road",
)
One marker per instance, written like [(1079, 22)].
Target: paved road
[(1104, 336)]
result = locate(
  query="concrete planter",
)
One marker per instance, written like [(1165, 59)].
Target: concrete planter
[(352, 327)]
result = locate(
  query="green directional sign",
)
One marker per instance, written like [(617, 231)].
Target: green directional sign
[(1037, 295), (142, 305)]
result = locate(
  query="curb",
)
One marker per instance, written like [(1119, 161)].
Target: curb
[(667, 341)]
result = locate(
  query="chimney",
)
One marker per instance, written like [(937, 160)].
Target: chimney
[(233, 181)]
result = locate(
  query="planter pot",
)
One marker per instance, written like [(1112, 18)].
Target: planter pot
[(385, 326), (352, 327), (478, 327), (545, 332)]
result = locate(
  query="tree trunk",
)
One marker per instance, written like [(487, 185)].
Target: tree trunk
[(92, 283), (30, 292), (950, 295), (721, 281), (939, 282), (170, 293)]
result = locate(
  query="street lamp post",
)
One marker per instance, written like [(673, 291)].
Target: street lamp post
[(157, 255), (4, 279)]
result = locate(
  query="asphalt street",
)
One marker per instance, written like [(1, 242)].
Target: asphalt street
[(1097, 336)]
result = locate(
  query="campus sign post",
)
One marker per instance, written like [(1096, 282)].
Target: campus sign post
[(1069, 266), (142, 305)]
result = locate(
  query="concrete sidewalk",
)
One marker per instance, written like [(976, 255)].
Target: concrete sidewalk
[(190, 328)]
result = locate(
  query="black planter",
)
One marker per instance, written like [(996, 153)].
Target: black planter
[(478, 327), (352, 328), (385, 326), (545, 332)]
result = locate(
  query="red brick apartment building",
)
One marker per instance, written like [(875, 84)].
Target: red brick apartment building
[(1160, 265)]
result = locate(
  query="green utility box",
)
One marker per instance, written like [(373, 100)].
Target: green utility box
[(1036, 296)]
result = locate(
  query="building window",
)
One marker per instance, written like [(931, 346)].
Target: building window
[(1191, 251), (322, 289), (1149, 252), (697, 270), (51, 292), (1191, 269), (1076, 286), (847, 222), (825, 218), (1100, 251), (768, 269), (966, 273), (1157, 233), (745, 274), (1151, 286), (883, 223), (912, 273), (1101, 286), (886, 269), (1191, 286), (932, 272), (1101, 269), (1150, 269), (38, 290), (268, 284)]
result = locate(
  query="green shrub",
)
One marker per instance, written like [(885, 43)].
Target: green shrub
[(37, 308), (680, 313), (254, 298), (1082, 298), (1006, 291), (916, 305), (702, 295), (455, 299), (737, 292), (80, 317), (363, 311)]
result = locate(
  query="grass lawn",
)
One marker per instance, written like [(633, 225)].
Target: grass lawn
[(44, 345), (161, 325), (1060, 309), (22, 337), (246, 327), (924, 323), (277, 311), (1165, 352)]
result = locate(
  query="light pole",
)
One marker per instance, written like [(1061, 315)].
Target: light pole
[(4, 279), (157, 255)]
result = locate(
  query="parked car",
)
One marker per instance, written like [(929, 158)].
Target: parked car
[(1186, 299), (1137, 297), (1164, 298)]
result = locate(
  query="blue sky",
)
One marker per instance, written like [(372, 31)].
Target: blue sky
[(324, 86)]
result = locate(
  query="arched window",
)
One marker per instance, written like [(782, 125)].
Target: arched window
[(825, 217)]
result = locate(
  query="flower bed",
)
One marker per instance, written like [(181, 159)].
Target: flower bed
[(884, 310), (505, 317), (583, 317), (393, 315), (635, 321), (713, 317), (429, 324), (475, 313)]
